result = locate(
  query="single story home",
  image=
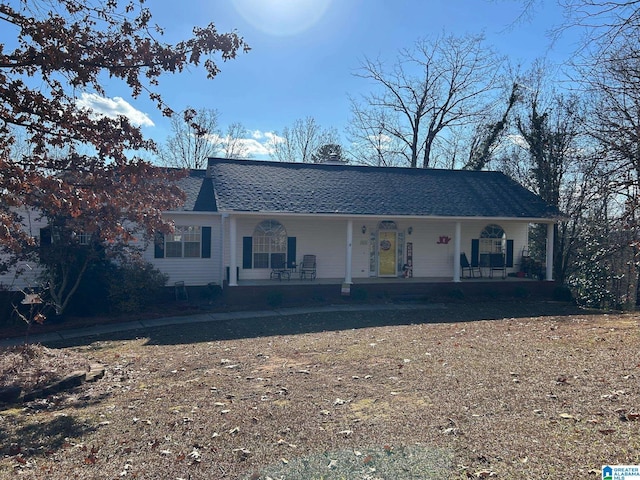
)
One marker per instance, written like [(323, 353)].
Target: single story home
[(246, 220)]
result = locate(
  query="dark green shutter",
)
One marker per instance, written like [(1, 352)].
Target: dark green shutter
[(158, 245), (247, 252), (45, 236), (291, 251), (475, 252), (509, 258), (206, 242)]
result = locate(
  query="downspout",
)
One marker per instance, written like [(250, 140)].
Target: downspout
[(549, 273), (456, 252), (347, 272), (233, 274)]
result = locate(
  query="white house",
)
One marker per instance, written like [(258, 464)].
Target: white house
[(245, 219)]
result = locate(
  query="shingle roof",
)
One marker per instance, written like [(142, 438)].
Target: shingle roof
[(262, 186), (192, 185)]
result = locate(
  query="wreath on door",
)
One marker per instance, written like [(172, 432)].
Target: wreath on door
[(385, 245)]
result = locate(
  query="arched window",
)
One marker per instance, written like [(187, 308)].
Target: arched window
[(269, 242), (387, 225), (493, 239)]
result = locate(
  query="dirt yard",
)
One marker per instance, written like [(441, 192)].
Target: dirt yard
[(504, 390)]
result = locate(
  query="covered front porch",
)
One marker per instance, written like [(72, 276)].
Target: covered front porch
[(373, 250)]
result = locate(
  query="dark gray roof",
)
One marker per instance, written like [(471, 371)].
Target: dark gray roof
[(199, 192), (262, 186)]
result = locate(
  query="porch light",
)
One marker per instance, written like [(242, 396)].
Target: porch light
[(364, 229), (410, 230)]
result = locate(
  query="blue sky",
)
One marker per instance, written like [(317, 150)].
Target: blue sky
[(305, 52)]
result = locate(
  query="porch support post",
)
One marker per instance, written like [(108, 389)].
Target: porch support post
[(456, 252), (221, 273), (347, 270), (549, 274), (233, 261)]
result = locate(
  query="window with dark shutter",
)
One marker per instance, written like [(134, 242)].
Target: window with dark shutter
[(206, 242), (158, 245)]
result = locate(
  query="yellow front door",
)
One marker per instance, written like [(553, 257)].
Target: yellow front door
[(387, 251)]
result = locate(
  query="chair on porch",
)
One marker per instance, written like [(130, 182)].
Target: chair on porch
[(465, 265), (279, 267), (497, 262), (308, 267)]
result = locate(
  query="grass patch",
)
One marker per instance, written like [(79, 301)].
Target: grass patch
[(384, 462)]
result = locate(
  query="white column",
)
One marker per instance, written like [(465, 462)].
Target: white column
[(233, 260), (456, 252), (347, 270), (221, 272), (549, 274)]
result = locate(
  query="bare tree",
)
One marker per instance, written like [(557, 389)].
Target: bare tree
[(299, 142), (233, 144), (440, 84), (603, 23), (370, 144), (194, 138), (614, 84), (606, 24)]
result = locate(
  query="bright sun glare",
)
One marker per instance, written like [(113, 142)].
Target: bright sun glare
[(282, 17)]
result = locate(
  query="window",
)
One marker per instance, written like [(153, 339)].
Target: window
[(57, 235), (387, 225), (184, 242), (491, 248), (84, 238), (269, 241), (493, 239)]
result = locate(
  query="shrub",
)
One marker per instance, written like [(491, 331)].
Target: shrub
[(212, 293), (92, 296), (109, 288), (134, 286)]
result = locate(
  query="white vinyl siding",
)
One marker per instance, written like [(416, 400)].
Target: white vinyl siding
[(194, 271)]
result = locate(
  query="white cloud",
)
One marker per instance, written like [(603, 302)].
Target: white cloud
[(258, 146), (382, 139), (266, 137), (517, 140), (254, 148), (113, 107)]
